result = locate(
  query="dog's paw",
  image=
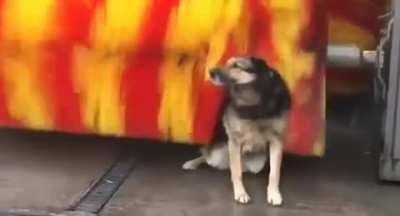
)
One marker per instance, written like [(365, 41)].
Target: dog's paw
[(242, 198), (189, 165), (274, 197)]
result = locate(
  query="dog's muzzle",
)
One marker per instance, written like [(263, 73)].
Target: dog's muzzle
[(217, 76)]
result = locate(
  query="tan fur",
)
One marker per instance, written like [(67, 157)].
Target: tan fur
[(254, 136), (248, 138)]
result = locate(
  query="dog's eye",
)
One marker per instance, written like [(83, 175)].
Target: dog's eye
[(271, 75), (241, 66)]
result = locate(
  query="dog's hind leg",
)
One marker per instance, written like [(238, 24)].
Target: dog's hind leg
[(193, 164), (274, 196)]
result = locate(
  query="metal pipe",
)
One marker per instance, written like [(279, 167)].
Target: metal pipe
[(349, 56)]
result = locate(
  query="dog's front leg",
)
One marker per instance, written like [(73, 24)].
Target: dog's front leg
[(235, 161), (274, 196)]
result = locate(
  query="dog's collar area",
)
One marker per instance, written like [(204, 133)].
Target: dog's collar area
[(242, 85), (254, 112)]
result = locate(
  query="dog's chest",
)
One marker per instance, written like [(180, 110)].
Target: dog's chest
[(254, 135)]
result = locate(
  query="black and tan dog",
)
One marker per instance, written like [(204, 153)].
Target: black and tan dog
[(254, 119)]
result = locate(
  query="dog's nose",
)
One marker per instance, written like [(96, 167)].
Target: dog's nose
[(214, 72)]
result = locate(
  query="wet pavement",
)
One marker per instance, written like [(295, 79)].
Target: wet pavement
[(43, 172), (46, 174), (343, 183)]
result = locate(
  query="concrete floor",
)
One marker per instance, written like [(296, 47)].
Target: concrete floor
[(47, 173), (342, 183)]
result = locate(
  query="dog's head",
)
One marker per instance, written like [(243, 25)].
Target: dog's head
[(253, 86), (237, 71), (240, 71)]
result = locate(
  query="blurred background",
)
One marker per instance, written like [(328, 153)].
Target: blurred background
[(47, 174)]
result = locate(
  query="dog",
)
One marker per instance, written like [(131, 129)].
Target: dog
[(255, 120)]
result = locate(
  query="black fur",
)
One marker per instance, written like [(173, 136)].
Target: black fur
[(275, 95)]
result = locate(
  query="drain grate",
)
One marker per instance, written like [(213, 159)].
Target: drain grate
[(102, 191)]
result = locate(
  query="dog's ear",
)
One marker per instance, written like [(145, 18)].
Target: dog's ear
[(280, 90), (282, 94), (273, 88), (259, 65)]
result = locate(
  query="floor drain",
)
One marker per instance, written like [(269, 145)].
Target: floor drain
[(103, 190)]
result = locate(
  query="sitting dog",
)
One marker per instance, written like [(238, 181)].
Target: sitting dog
[(255, 118)]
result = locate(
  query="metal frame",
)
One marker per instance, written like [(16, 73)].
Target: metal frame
[(390, 158)]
